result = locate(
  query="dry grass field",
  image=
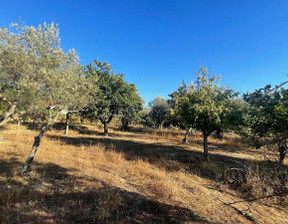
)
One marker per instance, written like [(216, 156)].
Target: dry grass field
[(143, 176)]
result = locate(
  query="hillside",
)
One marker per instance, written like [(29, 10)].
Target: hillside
[(142, 176)]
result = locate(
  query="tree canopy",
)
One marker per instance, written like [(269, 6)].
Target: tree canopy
[(159, 112), (110, 95), (267, 119), (202, 105), (37, 75)]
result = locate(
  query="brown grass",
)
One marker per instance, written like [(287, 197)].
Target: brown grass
[(144, 176)]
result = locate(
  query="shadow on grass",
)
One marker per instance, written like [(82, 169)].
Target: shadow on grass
[(169, 157), (146, 132), (51, 194)]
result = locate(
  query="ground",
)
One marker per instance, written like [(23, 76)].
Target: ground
[(143, 176)]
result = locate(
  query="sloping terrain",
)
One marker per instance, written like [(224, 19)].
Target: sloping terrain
[(143, 176)]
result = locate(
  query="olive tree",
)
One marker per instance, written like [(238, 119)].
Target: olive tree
[(159, 112), (57, 82), (21, 56)]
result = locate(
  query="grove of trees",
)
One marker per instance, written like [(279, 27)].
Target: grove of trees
[(37, 77)]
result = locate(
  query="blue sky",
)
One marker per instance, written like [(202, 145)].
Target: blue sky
[(159, 43)]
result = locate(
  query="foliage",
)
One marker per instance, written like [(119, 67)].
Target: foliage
[(110, 95), (181, 102), (132, 105), (204, 105), (144, 117), (159, 112), (268, 119), (35, 73), (38, 77)]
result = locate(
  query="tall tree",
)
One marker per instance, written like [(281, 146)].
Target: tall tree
[(58, 81), (111, 96)]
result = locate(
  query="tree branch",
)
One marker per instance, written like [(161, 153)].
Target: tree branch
[(5, 100)]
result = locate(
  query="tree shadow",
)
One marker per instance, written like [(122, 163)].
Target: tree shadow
[(20, 196), (52, 194), (169, 157), (136, 132), (132, 133), (160, 132), (110, 204)]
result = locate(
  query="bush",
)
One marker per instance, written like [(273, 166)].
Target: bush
[(255, 184)]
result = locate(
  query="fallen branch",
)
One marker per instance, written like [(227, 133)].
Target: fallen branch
[(249, 202), (240, 212)]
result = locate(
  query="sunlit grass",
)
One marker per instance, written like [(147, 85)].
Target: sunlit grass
[(139, 177)]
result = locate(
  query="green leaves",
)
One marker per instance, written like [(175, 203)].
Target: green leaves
[(110, 94), (35, 73), (202, 104), (159, 111), (268, 116)]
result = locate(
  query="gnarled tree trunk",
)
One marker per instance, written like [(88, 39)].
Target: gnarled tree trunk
[(7, 115), (27, 165), (105, 123)]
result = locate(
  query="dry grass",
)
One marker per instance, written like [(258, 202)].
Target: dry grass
[(144, 176)]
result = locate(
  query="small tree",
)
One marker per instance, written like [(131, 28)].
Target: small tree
[(267, 119), (182, 111), (144, 117), (132, 105), (202, 105), (159, 111)]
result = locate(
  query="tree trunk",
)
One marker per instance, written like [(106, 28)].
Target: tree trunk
[(282, 154), (18, 123), (7, 115), (125, 125), (27, 165), (205, 144), (105, 123), (67, 124), (186, 138), (105, 128), (218, 135)]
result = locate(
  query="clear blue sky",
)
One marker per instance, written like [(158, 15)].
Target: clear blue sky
[(159, 43)]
